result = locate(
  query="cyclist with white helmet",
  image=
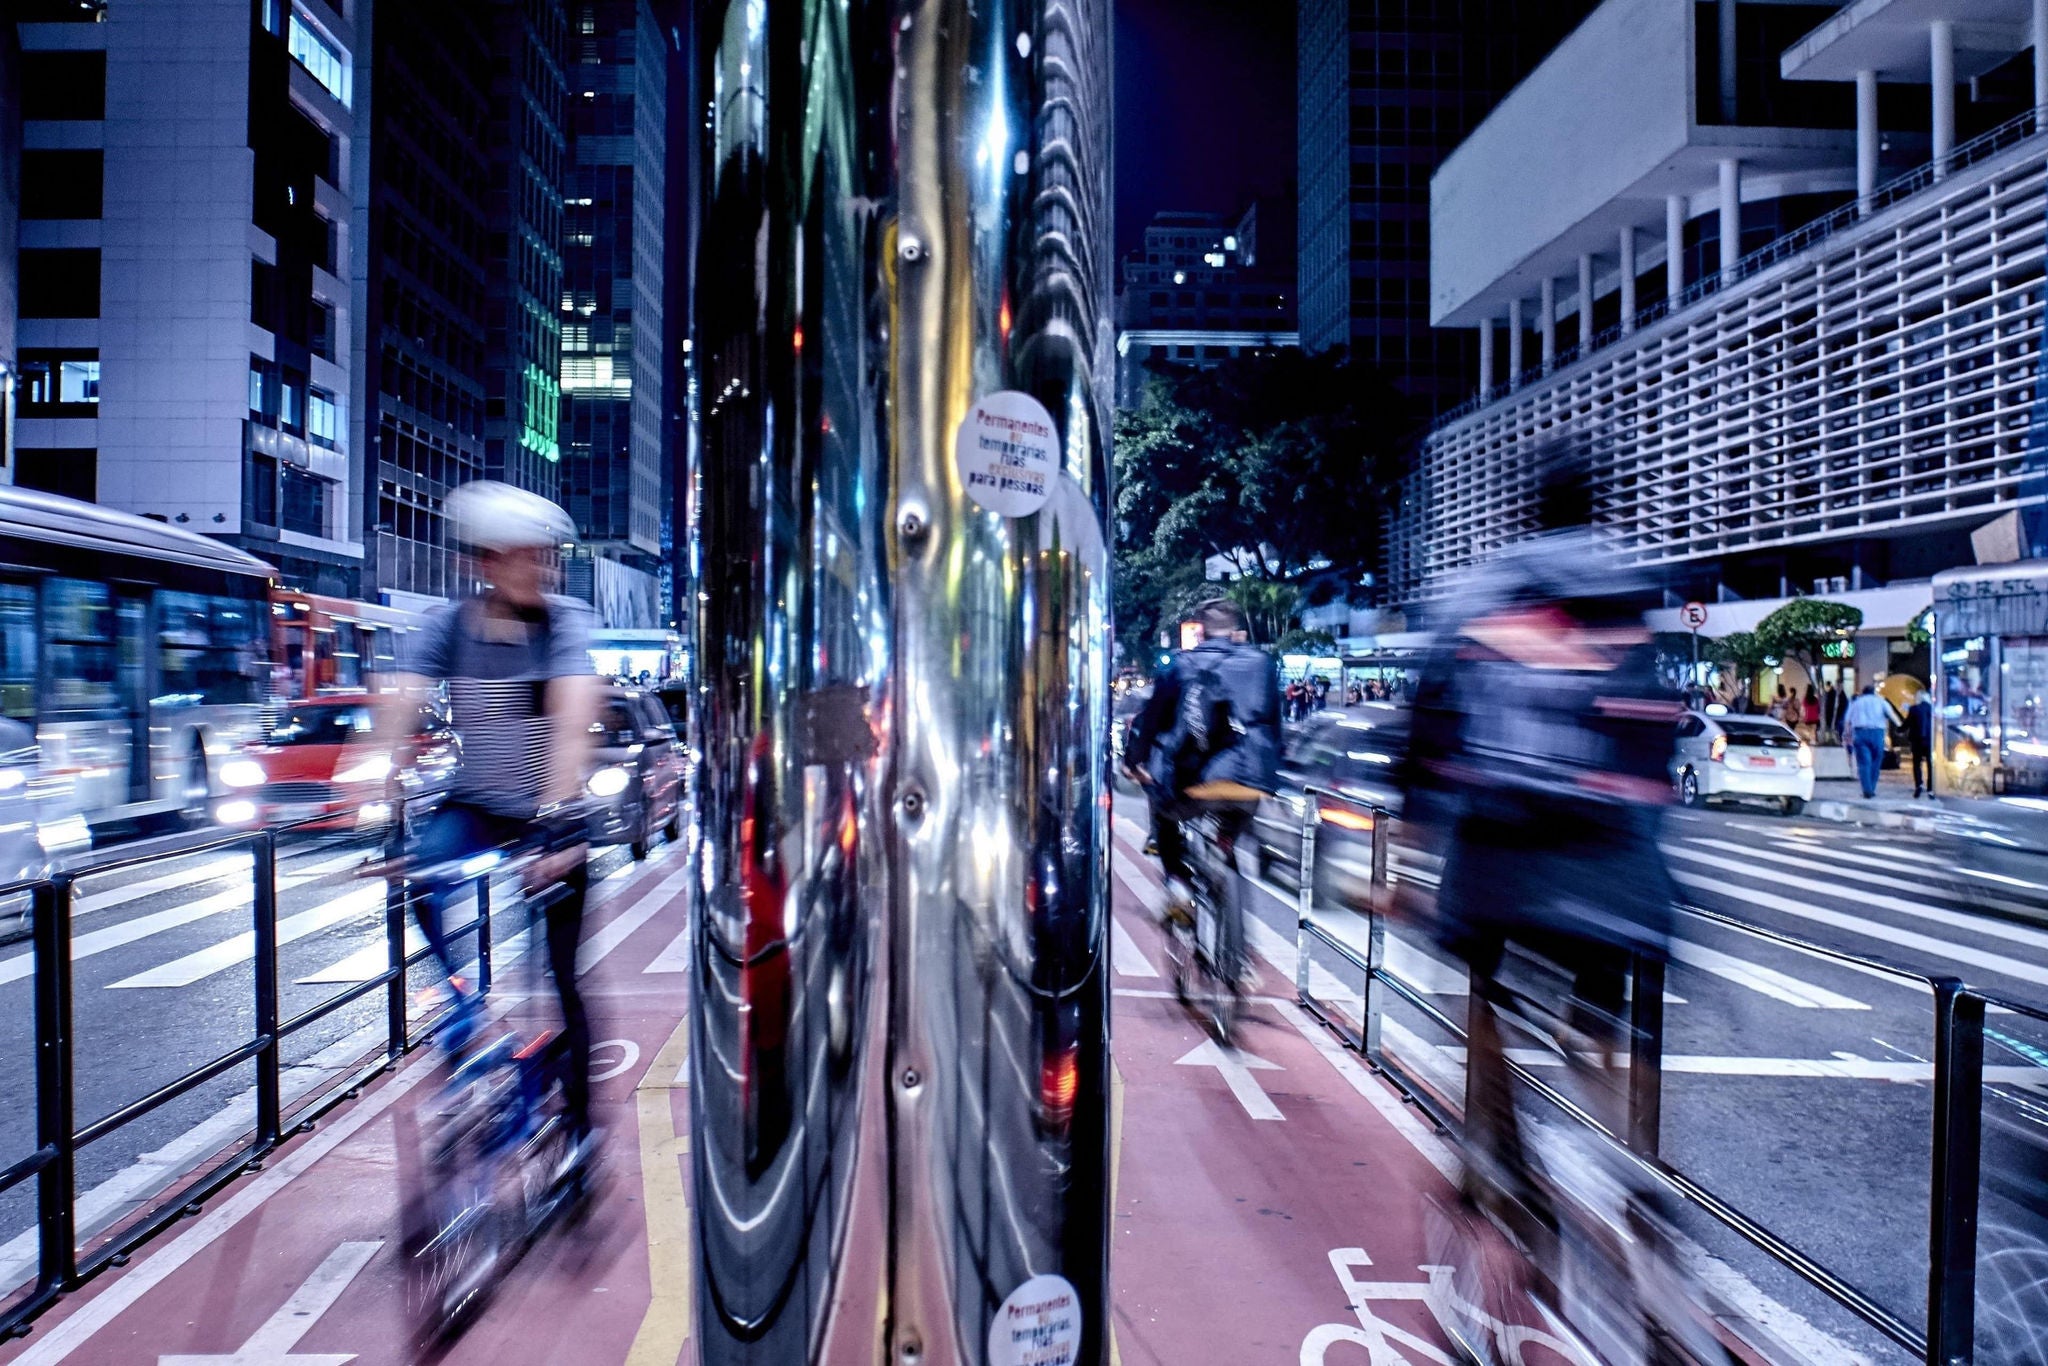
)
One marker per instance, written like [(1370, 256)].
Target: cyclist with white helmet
[(516, 662)]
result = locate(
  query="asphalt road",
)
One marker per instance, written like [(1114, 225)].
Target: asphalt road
[(163, 982), (1796, 1087)]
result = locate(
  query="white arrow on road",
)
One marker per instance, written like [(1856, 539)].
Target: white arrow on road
[(271, 1345), (1237, 1067)]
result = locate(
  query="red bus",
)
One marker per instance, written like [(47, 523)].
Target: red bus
[(321, 645)]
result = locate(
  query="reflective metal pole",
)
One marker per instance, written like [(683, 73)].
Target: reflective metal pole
[(898, 486)]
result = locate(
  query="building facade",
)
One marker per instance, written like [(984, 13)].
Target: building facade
[(1842, 406), (186, 259), (527, 150), (1386, 89), (612, 318), (426, 220), (1202, 288)]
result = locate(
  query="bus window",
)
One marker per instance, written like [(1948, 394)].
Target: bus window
[(18, 651), (205, 648), (81, 629)]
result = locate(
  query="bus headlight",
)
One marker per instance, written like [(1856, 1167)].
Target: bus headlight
[(242, 773), (235, 812), (608, 781)]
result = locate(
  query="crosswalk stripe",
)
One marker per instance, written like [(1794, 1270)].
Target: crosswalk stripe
[(1957, 920), (183, 972), (617, 929), (23, 965), (211, 871), (1779, 986), (1855, 924)]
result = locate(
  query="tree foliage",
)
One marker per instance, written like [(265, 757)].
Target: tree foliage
[(1269, 607), (1277, 462), (1802, 627), (1300, 642), (1743, 654)]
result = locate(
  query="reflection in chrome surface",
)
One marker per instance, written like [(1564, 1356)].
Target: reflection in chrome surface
[(900, 997)]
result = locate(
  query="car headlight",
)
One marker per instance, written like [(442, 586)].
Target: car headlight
[(608, 781), (12, 778), (366, 770), (236, 812), (242, 773)]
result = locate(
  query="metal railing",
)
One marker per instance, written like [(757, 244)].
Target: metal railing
[(53, 1165), (1807, 235), (1956, 1151)]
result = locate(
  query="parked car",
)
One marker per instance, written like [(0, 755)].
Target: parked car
[(322, 762), (1741, 758), (1355, 753), (636, 772)]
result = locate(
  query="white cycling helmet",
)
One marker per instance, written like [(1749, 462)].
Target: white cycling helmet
[(488, 515)]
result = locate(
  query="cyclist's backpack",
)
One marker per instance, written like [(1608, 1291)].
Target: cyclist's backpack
[(1205, 725)]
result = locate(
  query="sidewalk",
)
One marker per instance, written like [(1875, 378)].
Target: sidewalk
[(1268, 1202)]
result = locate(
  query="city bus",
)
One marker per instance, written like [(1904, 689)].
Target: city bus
[(321, 645), (133, 649)]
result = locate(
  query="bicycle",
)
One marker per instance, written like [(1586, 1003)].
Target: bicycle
[(1205, 948), (500, 1165), (1561, 1216)]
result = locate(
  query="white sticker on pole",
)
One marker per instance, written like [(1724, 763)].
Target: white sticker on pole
[(1039, 1325), (1005, 451)]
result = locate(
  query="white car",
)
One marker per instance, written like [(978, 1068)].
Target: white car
[(1751, 758)]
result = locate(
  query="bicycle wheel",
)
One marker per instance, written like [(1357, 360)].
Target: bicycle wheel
[(454, 1235), (1221, 958)]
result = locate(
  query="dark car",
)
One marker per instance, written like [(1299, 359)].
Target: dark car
[(636, 772), (1356, 753)]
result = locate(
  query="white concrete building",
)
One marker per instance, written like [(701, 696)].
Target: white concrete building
[(186, 259), (1835, 406)]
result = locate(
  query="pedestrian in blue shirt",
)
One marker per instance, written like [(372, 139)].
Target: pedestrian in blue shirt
[(1865, 723)]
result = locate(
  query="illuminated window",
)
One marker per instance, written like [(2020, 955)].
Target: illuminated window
[(320, 58)]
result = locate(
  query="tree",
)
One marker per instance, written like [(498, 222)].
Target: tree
[(1741, 653), (1269, 608), (1803, 627), (1300, 642), (1276, 462)]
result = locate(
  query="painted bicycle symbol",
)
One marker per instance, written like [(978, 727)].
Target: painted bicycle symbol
[(1390, 1344)]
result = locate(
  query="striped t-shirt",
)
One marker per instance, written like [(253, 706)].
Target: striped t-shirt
[(497, 670)]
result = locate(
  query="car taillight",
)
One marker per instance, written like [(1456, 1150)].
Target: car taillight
[(1349, 820), (1059, 1080), (1719, 749), (1805, 755)]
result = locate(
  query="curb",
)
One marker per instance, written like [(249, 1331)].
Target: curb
[(1857, 813)]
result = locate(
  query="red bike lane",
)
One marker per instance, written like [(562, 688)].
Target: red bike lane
[(1268, 1203)]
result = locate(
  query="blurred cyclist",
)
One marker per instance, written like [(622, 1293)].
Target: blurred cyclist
[(516, 661), (1539, 755), (1209, 736)]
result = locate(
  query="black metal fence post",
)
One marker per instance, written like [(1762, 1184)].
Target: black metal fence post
[(483, 935), (56, 1100), (1646, 1055), (395, 891), (1958, 1149), (269, 1079)]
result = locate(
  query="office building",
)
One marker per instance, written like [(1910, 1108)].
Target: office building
[(1796, 313), (1386, 89), (615, 439), (10, 221), (426, 219), (1201, 288), (527, 150), (186, 267)]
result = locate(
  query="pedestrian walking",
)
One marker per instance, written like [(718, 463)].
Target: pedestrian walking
[(1830, 703), (1920, 740), (1809, 716), (1865, 722)]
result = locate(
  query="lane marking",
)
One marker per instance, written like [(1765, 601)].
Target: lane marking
[(629, 1054), (134, 891), (1130, 960), (121, 1294), (1957, 920), (22, 965), (665, 1328), (1236, 1067), (1831, 863), (272, 1343), (1871, 929), (616, 930), (1948, 866), (194, 967), (367, 961), (1779, 986)]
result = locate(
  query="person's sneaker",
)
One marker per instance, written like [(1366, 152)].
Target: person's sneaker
[(1151, 848)]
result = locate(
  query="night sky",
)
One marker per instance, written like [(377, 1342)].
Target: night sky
[(1204, 106)]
